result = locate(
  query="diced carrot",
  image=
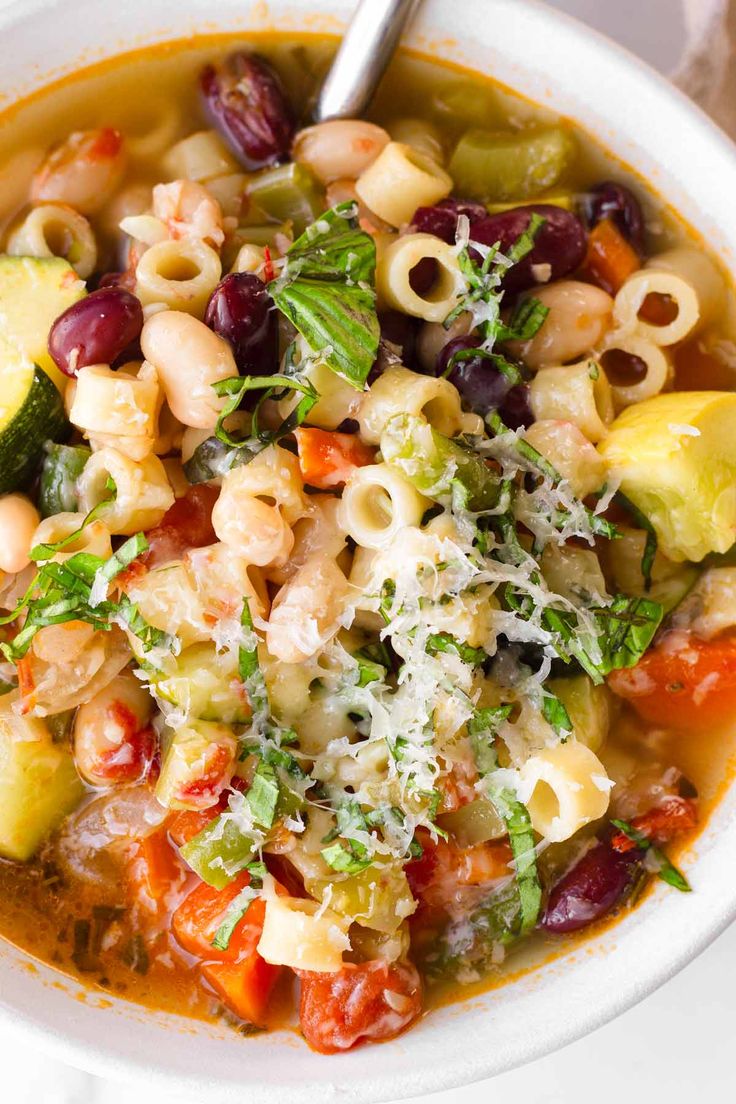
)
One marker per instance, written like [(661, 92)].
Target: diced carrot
[(244, 986), (484, 862), (610, 259), (674, 815), (328, 459), (188, 823), (242, 978), (154, 868)]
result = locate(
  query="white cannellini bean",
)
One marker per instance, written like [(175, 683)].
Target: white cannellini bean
[(579, 315), (107, 747), (339, 148), (19, 520), (189, 358)]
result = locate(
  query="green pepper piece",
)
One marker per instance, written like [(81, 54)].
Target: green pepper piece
[(219, 852), (61, 469), (497, 167), (288, 193), (435, 464)]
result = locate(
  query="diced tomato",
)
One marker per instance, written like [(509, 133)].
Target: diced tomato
[(154, 869), (242, 978), (131, 758), (444, 868), (660, 824), (187, 524), (683, 682), (610, 259), (204, 791), (360, 1003), (328, 459)]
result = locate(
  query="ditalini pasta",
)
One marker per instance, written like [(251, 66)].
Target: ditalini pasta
[(362, 492)]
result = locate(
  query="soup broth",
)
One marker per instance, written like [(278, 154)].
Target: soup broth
[(96, 895)]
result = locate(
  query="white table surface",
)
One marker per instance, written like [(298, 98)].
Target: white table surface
[(676, 1043)]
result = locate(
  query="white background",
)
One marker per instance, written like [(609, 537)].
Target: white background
[(677, 1043)]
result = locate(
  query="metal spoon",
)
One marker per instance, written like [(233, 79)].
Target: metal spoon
[(364, 54)]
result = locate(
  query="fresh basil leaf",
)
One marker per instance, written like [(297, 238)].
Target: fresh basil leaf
[(526, 321), (213, 459), (235, 913), (350, 859), (263, 795), (521, 837), (556, 715), (627, 628), (651, 544), (444, 642), (667, 870), (328, 293), (237, 387), (482, 729), (249, 668)]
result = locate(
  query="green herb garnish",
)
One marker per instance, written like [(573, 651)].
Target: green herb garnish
[(667, 871)]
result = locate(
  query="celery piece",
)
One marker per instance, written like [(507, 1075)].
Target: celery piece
[(477, 822), (497, 167), (378, 898), (288, 193), (565, 200), (438, 466), (219, 852), (461, 104)]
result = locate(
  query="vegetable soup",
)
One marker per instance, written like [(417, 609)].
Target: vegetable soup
[(367, 517)]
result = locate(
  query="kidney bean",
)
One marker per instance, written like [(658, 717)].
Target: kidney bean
[(560, 243), (609, 200), (482, 386), (441, 219), (595, 884), (516, 408), (247, 102), (95, 330), (401, 330), (241, 310)]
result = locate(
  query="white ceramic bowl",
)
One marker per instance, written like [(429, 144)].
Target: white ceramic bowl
[(638, 116)]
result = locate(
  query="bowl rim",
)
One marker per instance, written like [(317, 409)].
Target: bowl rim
[(103, 1059)]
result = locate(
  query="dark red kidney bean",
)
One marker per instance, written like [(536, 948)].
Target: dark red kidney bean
[(441, 219), (400, 330), (609, 200), (247, 102), (482, 387), (595, 884), (95, 330), (241, 310), (560, 243), (516, 409)]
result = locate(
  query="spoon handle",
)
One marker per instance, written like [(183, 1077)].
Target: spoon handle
[(364, 54)]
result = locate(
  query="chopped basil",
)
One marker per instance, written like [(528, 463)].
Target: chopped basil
[(237, 387), (249, 667), (651, 543), (526, 321), (556, 715), (348, 858), (235, 913), (666, 870), (328, 293), (263, 795)]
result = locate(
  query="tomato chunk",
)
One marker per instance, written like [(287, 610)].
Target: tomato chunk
[(154, 870), (360, 1003), (328, 459), (238, 974), (662, 823), (187, 524), (444, 868), (683, 682)]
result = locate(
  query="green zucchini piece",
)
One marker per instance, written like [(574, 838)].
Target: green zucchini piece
[(61, 470), (31, 413), (219, 852), (39, 783), (34, 291), (498, 167), (205, 684)]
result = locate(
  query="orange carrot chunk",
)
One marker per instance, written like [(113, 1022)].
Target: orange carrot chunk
[(328, 459), (610, 259)]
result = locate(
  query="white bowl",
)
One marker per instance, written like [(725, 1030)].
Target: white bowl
[(638, 116)]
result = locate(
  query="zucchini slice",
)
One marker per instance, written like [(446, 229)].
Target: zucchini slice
[(31, 413), (34, 291)]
